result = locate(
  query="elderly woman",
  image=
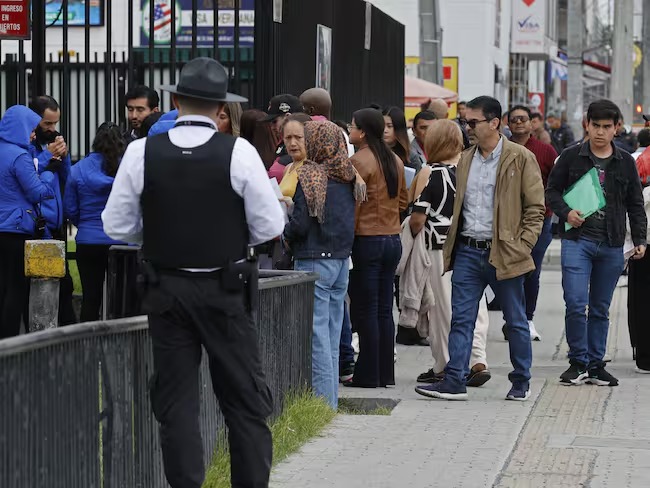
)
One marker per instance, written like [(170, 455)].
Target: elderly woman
[(431, 216), (320, 235)]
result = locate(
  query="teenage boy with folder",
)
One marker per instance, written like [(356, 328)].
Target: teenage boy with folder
[(592, 247)]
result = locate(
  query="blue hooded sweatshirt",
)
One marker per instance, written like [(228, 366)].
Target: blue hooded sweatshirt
[(85, 197), (22, 189), (165, 122), (52, 209)]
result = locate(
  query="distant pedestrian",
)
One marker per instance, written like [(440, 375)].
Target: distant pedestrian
[(86, 194), (376, 251), (421, 122), (395, 133), (229, 119), (318, 102), (179, 194), (592, 247), (320, 234), (644, 142), (539, 130), (521, 126), (140, 102), (149, 121), (281, 107), (259, 134), (561, 133)]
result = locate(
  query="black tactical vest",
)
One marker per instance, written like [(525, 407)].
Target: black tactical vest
[(192, 218)]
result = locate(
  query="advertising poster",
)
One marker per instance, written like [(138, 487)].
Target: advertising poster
[(76, 12), (450, 80), (324, 57), (162, 31)]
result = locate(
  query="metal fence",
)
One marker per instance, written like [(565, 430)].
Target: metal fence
[(74, 409)]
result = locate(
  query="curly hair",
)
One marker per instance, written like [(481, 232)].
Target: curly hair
[(110, 143)]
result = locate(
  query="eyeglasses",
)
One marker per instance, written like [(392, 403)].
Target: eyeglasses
[(350, 127), (520, 118), (473, 123)]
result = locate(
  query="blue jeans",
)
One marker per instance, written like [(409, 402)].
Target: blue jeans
[(345, 349), (375, 260), (531, 283), (472, 273), (330, 292), (590, 271)]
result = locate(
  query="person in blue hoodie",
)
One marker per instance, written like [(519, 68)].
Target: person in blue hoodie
[(21, 194), (85, 197), (165, 122)]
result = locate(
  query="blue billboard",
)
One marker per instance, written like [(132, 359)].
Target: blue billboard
[(76, 12), (162, 23)]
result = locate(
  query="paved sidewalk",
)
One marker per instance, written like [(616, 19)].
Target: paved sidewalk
[(562, 437)]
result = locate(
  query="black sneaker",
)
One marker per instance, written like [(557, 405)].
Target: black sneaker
[(346, 373), (600, 377), (504, 329), (431, 377), (575, 375)]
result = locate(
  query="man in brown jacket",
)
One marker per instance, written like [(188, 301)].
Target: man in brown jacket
[(498, 216)]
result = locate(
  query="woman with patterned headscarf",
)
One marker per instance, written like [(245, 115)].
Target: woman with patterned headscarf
[(320, 235)]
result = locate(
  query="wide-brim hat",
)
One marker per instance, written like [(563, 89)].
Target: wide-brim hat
[(205, 79)]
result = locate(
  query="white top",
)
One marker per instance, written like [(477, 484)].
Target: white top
[(122, 216)]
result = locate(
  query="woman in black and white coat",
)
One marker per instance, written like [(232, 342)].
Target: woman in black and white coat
[(432, 212)]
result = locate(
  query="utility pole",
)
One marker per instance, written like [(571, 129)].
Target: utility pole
[(38, 49), (646, 58), (622, 88), (430, 67), (575, 48)]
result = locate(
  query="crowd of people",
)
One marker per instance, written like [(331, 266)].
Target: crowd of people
[(381, 212)]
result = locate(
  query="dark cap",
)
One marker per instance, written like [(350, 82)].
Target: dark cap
[(281, 105), (646, 117)]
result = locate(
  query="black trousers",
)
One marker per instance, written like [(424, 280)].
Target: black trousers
[(14, 287), (185, 313), (92, 261), (637, 312)]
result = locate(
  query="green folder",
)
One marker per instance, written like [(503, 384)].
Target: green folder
[(585, 195)]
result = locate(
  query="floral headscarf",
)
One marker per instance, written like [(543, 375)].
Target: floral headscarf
[(327, 157)]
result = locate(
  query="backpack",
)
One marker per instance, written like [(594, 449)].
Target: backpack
[(643, 167)]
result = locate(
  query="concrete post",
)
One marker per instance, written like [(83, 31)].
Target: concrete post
[(45, 265), (575, 49), (622, 61)]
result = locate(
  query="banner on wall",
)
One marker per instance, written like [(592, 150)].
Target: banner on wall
[(324, 57), (162, 30), (14, 19)]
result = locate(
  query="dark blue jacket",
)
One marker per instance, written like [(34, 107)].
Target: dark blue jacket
[(51, 209), (85, 197), (334, 237), (21, 189)]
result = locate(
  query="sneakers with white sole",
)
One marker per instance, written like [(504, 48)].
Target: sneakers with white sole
[(534, 335), (642, 371)]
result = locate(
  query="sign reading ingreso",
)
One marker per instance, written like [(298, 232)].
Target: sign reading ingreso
[(528, 26), (14, 19)]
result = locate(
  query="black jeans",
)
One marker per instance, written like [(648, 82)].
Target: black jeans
[(185, 313), (92, 261), (637, 313), (14, 287), (375, 259)]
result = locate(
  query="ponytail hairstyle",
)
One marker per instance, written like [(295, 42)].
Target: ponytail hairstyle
[(110, 143), (402, 145), (371, 122)]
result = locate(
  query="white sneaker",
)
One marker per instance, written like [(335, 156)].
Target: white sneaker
[(395, 354), (642, 371), (355, 342), (534, 335)]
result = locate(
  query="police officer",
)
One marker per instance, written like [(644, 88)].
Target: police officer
[(197, 200)]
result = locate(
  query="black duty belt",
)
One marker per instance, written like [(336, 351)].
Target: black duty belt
[(483, 245)]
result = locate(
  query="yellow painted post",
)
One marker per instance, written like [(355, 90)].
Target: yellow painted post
[(45, 265)]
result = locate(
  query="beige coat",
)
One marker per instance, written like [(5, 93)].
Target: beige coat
[(518, 210)]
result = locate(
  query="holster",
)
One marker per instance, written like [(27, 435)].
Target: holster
[(242, 276), (147, 275)]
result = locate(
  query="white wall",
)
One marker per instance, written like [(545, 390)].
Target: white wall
[(405, 12), (469, 33)]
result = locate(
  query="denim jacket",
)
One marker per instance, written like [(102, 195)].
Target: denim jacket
[(334, 237)]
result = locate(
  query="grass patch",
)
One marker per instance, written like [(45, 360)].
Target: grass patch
[(367, 406), (72, 266), (304, 417)]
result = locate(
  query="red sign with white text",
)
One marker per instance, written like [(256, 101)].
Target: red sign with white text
[(14, 19)]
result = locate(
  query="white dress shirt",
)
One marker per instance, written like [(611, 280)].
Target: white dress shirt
[(122, 216)]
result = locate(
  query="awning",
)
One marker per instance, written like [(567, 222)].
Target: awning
[(417, 92)]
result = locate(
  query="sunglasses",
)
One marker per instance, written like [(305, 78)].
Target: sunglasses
[(473, 123), (519, 118)]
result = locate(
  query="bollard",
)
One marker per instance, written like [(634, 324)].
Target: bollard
[(45, 265)]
